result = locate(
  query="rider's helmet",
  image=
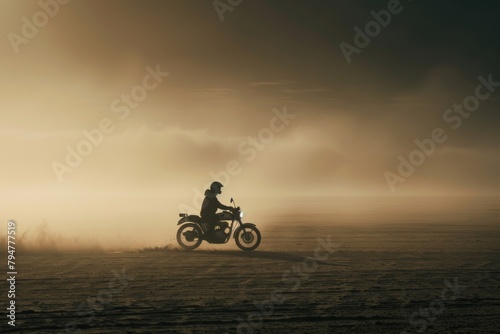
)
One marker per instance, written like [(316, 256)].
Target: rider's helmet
[(216, 187)]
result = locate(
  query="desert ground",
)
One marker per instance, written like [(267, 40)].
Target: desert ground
[(321, 270)]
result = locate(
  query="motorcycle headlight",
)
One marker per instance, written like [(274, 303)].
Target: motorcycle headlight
[(241, 214)]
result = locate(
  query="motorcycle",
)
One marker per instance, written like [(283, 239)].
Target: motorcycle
[(194, 230)]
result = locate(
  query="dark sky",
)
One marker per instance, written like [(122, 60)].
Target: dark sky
[(352, 120)]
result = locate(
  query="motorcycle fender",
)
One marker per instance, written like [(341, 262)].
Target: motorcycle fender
[(236, 231), (183, 220), (190, 218)]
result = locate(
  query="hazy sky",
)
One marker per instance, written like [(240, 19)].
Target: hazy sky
[(351, 123)]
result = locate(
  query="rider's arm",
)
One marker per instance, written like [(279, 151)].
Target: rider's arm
[(222, 206)]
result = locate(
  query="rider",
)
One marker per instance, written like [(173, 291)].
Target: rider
[(211, 204)]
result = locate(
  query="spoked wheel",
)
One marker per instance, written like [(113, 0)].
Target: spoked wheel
[(189, 236), (247, 237)]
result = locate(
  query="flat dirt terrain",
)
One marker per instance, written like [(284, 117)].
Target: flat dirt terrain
[(312, 274)]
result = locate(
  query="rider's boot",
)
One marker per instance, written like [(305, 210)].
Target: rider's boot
[(209, 235)]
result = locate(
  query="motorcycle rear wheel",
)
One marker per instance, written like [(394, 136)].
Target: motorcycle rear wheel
[(189, 236)]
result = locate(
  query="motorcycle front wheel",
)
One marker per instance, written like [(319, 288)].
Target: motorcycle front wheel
[(189, 236), (247, 237)]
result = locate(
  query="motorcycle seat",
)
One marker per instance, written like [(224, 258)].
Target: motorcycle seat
[(195, 218)]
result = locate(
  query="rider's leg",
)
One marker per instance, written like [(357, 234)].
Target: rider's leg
[(211, 220)]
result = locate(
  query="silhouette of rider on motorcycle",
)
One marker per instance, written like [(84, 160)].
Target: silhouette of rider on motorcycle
[(211, 204)]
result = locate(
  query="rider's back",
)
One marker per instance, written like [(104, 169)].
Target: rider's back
[(209, 205)]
